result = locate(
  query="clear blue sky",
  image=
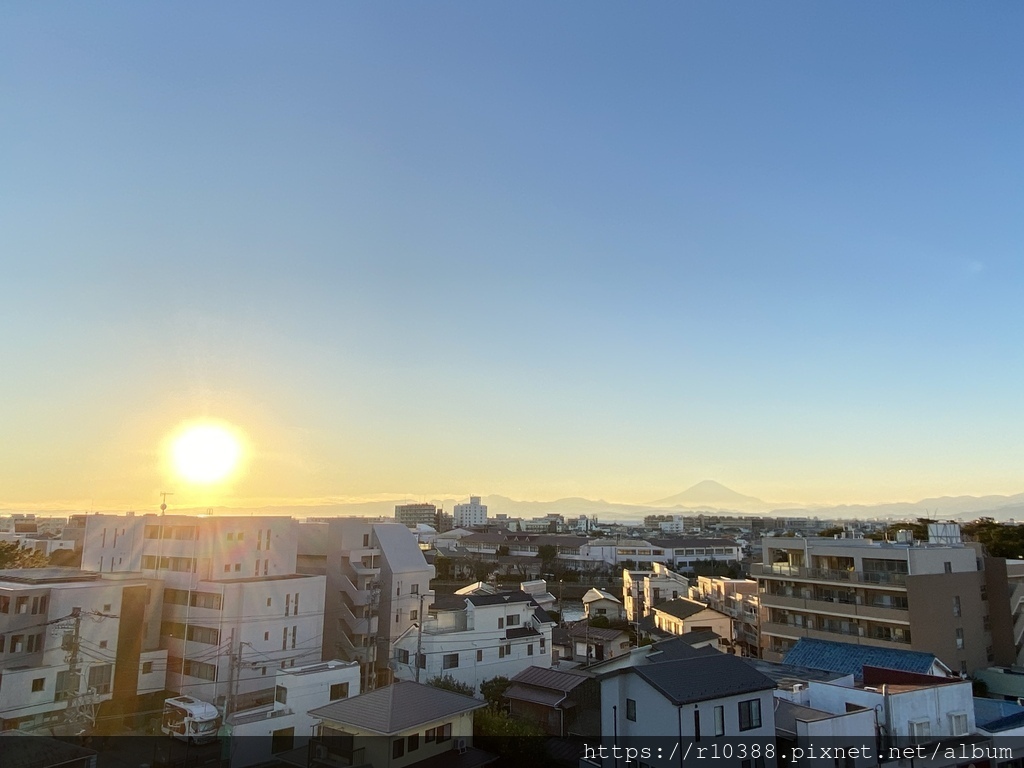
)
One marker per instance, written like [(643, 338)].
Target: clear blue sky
[(542, 250)]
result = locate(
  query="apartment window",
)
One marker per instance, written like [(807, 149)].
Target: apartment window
[(512, 620), (398, 591), (21, 605), (450, 661), (266, 567), (103, 643), (429, 735), (227, 567), (479, 655), (750, 714), (231, 536), (413, 742), (631, 709), (421, 660), (35, 643), (444, 732), (366, 539), (339, 691), (268, 602), (238, 567), (280, 694), (147, 667), (397, 748), (241, 535), (956, 605), (106, 607), (959, 638), (415, 589), (266, 635), (60, 688), (397, 618), (501, 623), (5, 604), (294, 631), (287, 604), (257, 572), (38, 684), (284, 638), (542, 643), (402, 656), (719, 721), (947, 567), (17, 643), (529, 649), (414, 615)]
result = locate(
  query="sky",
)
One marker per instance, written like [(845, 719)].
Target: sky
[(539, 250)]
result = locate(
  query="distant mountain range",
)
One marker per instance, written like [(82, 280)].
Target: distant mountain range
[(707, 496)]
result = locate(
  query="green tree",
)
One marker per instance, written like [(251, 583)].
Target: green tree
[(443, 569), (547, 554), (13, 555), (493, 689), (481, 570), (600, 622), (517, 741), (449, 683)]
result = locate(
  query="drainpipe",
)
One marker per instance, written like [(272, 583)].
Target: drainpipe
[(679, 714)]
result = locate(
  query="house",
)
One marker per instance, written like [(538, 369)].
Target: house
[(593, 644), (562, 702), (284, 724), (683, 615), (474, 638), (708, 695), (597, 602), (399, 725)]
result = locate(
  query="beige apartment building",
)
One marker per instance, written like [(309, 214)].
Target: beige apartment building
[(940, 596)]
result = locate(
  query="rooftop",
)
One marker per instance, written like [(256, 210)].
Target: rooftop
[(851, 658), (396, 708), (711, 676), (47, 575), (681, 608)]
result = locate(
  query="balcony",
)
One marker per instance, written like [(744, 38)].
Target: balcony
[(881, 579), (351, 652), (357, 625), (851, 635), (835, 607), (355, 595)]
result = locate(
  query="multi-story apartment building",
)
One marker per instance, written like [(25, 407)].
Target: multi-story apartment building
[(940, 596), (411, 515), (489, 635), (234, 608), (378, 586), (71, 641), (472, 514), (737, 598), (642, 590)]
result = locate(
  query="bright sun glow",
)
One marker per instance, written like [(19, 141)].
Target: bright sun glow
[(206, 453)]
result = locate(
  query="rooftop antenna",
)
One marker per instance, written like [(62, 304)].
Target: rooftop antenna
[(163, 500)]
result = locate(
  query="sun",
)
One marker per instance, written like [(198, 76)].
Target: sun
[(206, 453)]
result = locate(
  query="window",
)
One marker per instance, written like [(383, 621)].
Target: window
[(501, 623), (280, 694), (339, 691), (958, 724), (421, 660), (227, 567), (38, 684), (414, 615), (956, 605), (21, 605), (60, 688), (231, 536), (512, 620), (450, 661), (542, 640), (397, 748), (366, 539), (284, 638), (241, 535), (986, 622), (294, 631), (444, 732), (529, 649), (5, 604), (479, 655), (266, 635), (402, 656), (719, 721), (959, 638), (947, 567), (287, 605), (413, 742), (920, 730), (282, 740), (17, 643), (429, 735), (750, 714), (631, 709), (99, 678), (103, 643), (238, 566), (147, 667), (415, 589)]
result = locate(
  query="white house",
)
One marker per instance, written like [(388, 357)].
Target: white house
[(489, 636), (597, 602)]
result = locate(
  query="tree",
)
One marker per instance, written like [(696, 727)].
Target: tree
[(13, 555), (493, 689), (517, 741), (481, 570), (449, 683), (443, 568), (600, 622), (547, 554), (66, 558)]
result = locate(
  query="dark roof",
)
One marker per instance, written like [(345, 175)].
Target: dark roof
[(32, 751), (546, 697), (542, 616), (680, 647), (514, 632), (555, 679), (850, 658), (396, 708), (681, 607), (685, 681), (559, 636), (51, 575), (595, 633), (512, 596)]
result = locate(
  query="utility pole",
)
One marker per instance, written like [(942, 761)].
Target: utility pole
[(419, 639), (229, 700), (73, 682)]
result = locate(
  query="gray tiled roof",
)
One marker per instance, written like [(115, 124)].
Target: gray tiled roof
[(396, 708), (681, 607), (685, 681), (556, 679)]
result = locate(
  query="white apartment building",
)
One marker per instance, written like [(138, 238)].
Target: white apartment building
[(472, 514), (116, 620), (378, 585), (234, 608), (284, 724), (489, 636)]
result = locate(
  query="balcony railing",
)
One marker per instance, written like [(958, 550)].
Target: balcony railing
[(882, 578)]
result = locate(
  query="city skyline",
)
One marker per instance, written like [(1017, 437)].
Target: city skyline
[(537, 254)]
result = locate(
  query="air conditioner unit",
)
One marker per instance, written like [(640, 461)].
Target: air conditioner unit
[(320, 752), (460, 746)]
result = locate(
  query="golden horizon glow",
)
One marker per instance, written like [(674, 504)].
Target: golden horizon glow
[(206, 453)]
